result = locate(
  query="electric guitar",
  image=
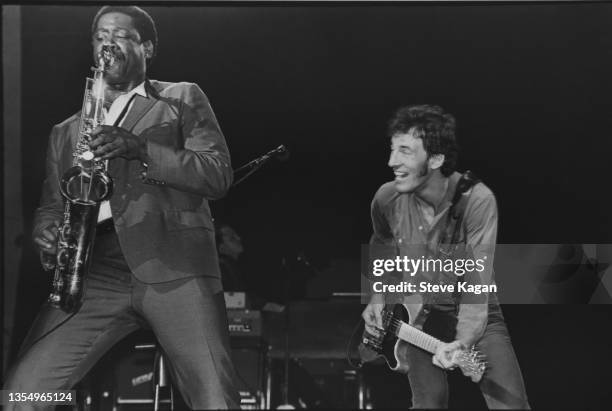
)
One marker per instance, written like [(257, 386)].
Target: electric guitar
[(401, 326)]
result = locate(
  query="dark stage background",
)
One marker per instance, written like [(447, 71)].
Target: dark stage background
[(528, 83)]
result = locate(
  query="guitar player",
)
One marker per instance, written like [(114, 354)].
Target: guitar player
[(412, 209)]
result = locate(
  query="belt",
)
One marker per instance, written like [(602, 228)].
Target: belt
[(105, 227)]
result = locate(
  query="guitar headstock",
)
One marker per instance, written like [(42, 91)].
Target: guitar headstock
[(471, 362)]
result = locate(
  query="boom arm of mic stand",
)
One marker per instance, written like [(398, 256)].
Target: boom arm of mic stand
[(259, 161), (255, 164)]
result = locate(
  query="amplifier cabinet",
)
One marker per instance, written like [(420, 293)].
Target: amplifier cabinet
[(123, 380), (245, 323), (250, 362)]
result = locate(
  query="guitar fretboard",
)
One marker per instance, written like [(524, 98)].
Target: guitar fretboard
[(417, 337)]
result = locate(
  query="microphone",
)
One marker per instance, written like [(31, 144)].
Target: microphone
[(281, 153)]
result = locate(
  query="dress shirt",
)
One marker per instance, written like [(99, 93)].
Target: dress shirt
[(110, 116)]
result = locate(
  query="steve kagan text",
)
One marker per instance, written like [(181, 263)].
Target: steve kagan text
[(427, 287)]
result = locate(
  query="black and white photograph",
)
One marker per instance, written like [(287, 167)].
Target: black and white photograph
[(304, 205)]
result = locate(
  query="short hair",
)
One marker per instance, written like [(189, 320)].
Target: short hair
[(434, 126), (143, 22)]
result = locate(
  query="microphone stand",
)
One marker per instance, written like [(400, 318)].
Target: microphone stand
[(286, 405), (257, 163)]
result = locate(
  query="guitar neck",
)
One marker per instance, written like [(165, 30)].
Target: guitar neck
[(417, 337)]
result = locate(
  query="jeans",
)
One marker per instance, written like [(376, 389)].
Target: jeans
[(501, 385)]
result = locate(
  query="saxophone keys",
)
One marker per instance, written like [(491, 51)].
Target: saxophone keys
[(87, 155)]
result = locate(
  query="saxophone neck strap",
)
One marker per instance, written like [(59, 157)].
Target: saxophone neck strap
[(124, 111)]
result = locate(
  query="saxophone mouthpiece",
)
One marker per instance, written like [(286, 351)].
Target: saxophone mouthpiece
[(107, 55)]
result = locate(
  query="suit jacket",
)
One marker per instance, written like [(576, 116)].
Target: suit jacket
[(161, 212)]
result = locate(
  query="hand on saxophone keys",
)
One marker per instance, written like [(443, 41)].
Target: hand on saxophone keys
[(48, 261), (108, 142), (46, 240)]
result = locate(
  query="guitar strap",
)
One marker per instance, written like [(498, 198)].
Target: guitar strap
[(457, 210), (448, 240)]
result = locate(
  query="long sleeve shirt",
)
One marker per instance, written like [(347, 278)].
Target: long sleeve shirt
[(398, 220)]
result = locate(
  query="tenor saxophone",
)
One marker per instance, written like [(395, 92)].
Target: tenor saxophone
[(84, 186)]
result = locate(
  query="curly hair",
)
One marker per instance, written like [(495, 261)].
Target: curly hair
[(143, 22), (434, 126)]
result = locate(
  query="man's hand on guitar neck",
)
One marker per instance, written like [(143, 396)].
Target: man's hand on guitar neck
[(443, 357)]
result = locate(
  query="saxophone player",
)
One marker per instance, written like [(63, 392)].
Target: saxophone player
[(154, 259)]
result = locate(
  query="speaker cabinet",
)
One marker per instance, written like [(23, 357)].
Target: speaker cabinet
[(124, 379), (249, 356)]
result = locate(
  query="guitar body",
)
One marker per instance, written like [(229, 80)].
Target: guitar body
[(390, 347), (402, 327)]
